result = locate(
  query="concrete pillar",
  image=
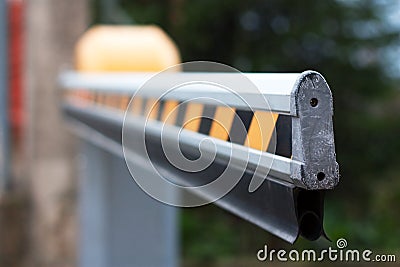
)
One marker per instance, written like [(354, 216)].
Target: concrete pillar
[(52, 29)]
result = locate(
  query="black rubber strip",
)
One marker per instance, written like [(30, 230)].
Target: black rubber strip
[(206, 119), (281, 141), (160, 109), (181, 114), (238, 132)]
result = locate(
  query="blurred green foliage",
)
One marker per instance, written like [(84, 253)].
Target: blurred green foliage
[(344, 40)]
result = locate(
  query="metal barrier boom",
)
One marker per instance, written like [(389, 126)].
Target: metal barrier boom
[(289, 143)]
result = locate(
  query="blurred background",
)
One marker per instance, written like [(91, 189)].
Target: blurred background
[(355, 44)]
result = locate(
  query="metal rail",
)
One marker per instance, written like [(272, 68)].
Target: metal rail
[(277, 88)]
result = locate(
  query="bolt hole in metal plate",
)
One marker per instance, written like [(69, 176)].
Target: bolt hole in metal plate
[(314, 102), (320, 176)]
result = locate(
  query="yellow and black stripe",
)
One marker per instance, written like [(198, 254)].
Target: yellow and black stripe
[(264, 131)]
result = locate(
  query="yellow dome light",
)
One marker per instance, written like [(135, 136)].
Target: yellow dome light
[(125, 49)]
